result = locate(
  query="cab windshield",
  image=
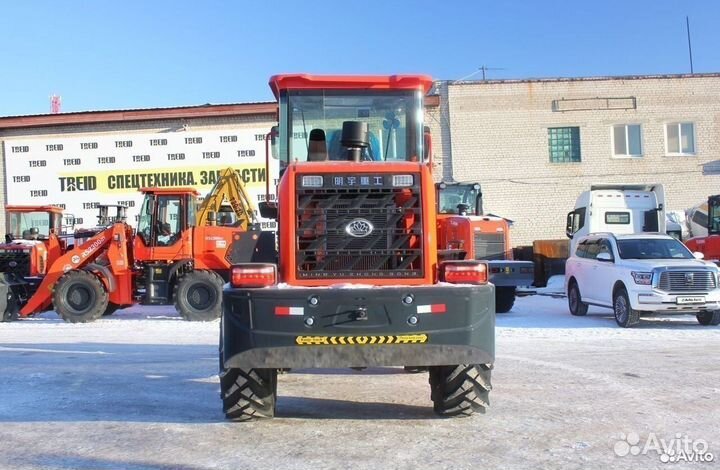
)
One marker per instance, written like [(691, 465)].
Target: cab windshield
[(29, 225), (315, 119), (453, 195)]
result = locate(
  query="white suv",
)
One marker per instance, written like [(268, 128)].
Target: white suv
[(641, 274)]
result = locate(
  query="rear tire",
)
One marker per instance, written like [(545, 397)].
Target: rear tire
[(198, 296), (460, 390), (625, 316), (248, 394), (79, 297), (709, 318), (575, 304), (504, 299)]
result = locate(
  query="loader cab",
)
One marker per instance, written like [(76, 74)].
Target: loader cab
[(33, 222), (361, 119), (164, 219), (459, 198)]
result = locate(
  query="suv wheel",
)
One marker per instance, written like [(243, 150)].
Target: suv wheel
[(577, 306), (709, 318), (625, 316)]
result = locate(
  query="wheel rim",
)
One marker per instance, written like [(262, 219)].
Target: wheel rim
[(621, 309), (201, 297), (80, 298)]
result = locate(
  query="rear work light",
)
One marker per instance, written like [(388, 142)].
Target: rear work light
[(402, 180), (464, 272), (312, 181), (253, 275)]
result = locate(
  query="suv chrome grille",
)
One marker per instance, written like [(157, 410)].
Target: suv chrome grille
[(686, 281)]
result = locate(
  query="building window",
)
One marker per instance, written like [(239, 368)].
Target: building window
[(680, 138), (627, 140), (564, 143)]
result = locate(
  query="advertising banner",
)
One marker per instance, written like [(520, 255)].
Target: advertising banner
[(79, 173)]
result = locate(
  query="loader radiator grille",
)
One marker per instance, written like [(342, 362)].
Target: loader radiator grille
[(359, 231), (686, 281), (16, 262), (489, 246)]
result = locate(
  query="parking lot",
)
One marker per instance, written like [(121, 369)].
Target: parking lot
[(139, 390)]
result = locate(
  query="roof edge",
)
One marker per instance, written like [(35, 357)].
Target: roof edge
[(147, 114)]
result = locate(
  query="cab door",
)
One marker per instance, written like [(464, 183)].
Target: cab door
[(162, 229)]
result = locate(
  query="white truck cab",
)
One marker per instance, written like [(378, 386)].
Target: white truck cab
[(618, 209)]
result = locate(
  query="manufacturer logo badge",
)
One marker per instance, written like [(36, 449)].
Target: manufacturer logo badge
[(689, 277), (359, 228)]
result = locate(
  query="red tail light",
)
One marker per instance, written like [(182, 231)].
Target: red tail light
[(253, 275), (464, 272)]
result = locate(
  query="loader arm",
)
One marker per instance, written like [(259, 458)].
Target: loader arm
[(76, 258), (228, 186)]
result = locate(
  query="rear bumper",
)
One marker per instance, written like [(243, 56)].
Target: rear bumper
[(356, 327), (658, 301), (511, 273)]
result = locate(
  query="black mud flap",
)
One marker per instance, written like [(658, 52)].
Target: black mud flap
[(253, 246)]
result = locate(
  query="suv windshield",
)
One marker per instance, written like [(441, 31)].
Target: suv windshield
[(315, 121), (652, 248), (452, 195)]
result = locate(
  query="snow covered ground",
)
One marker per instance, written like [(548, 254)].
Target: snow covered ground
[(139, 391)]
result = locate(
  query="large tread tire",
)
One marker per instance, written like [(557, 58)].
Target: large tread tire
[(460, 390), (625, 316), (80, 297), (709, 318), (577, 307), (248, 394), (504, 299), (198, 296)]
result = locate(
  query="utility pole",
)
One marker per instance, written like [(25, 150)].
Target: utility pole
[(687, 24)]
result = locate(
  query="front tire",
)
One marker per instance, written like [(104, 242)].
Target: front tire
[(575, 303), (504, 299), (80, 297), (460, 390), (198, 296), (709, 318), (625, 316), (248, 394)]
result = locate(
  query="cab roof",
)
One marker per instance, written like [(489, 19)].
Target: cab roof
[(182, 190), (51, 209), (301, 81)]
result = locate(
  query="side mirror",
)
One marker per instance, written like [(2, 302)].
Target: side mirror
[(569, 225), (698, 255), (604, 256), (274, 151), (267, 210), (427, 145)]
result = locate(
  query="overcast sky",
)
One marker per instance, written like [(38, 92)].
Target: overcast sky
[(140, 54)]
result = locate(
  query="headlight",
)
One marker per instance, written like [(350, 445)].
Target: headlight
[(642, 278), (312, 181)]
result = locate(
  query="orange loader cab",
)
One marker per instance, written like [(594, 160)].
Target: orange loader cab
[(710, 244), (465, 232)]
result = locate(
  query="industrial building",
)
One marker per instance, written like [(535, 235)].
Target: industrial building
[(533, 144)]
